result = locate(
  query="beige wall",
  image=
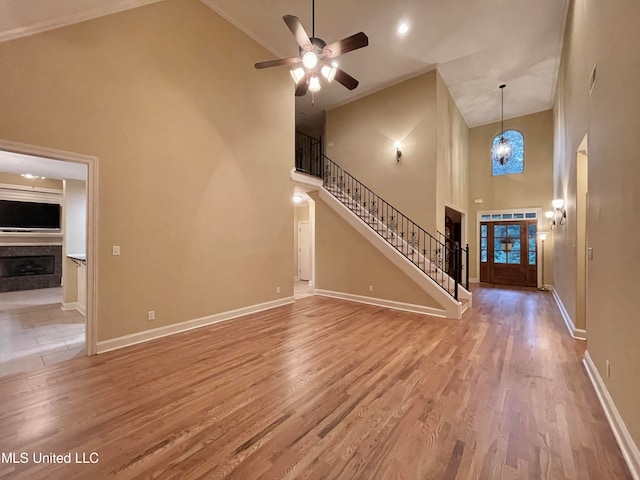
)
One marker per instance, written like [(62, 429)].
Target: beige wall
[(452, 186), (434, 168), (531, 189), (194, 149), (361, 136), (347, 263), (607, 33)]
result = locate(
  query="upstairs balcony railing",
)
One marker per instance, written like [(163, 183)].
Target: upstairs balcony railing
[(308, 154)]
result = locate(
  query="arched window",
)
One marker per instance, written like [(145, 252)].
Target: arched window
[(516, 163)]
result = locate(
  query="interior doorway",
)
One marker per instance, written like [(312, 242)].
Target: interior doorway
[(56, 322), (454, 238), (303, 245), (582, 249)]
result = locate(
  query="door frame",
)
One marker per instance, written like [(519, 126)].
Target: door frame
[(464, 238), (91, 318), (582, 229), (539, 224)]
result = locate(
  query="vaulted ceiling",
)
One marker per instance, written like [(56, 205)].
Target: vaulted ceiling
[(475, 44)]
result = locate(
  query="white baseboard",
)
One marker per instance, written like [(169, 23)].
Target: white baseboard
[(74, 306), (380, 302), (577, 333), (473, 280), (140, 337), (628, 447), (296, 278)]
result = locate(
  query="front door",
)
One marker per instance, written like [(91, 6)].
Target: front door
[(508, 253)]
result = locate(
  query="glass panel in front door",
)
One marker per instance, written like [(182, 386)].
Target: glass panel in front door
[(513, 244), (499, 244), (532, 243), (483, 243)]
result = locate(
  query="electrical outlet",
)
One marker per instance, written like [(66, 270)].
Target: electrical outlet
[(151, 315), (371, 288), (277, 289), (115, 250), (608, 368)]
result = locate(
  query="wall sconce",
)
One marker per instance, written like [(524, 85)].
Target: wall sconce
[(558, 215), (559, 212), (398, 152), (550, 218)]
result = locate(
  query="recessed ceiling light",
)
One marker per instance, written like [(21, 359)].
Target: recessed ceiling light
[(334, 64), (403, 28)]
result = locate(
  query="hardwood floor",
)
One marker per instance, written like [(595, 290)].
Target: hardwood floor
[(325, 389)]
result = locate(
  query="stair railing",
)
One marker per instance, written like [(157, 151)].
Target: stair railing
[(420, 247), (464, 254)]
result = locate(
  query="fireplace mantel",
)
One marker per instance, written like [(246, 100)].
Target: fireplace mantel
[(26, 239)]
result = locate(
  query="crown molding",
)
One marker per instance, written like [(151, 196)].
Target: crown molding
[(261, 41), (66, 20)]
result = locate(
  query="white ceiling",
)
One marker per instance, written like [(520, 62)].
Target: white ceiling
[(476, 44)]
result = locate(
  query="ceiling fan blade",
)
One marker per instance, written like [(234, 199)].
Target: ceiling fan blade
[(297, 29), (345, 45), (278, 62), (345, 79), (303, 86)]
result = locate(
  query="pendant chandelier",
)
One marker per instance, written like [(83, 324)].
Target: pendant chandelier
[(501, 151)]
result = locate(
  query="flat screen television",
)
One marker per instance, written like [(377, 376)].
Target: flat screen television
[(20, 216)]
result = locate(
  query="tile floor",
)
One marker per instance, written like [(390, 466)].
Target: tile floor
[(35, 331)]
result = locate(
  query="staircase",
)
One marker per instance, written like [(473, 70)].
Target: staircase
[(426, 252), (440, 261)]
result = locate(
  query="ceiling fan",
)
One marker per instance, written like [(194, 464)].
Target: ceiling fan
[(316, 57)]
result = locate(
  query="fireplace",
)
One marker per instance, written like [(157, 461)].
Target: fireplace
[(30, 267)]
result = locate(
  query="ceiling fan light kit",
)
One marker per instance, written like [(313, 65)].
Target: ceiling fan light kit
[(316, 57), (314, 84), (328, 72), (297, 74), (309, 60)]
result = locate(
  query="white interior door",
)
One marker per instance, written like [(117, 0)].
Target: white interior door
[(304, 251)]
